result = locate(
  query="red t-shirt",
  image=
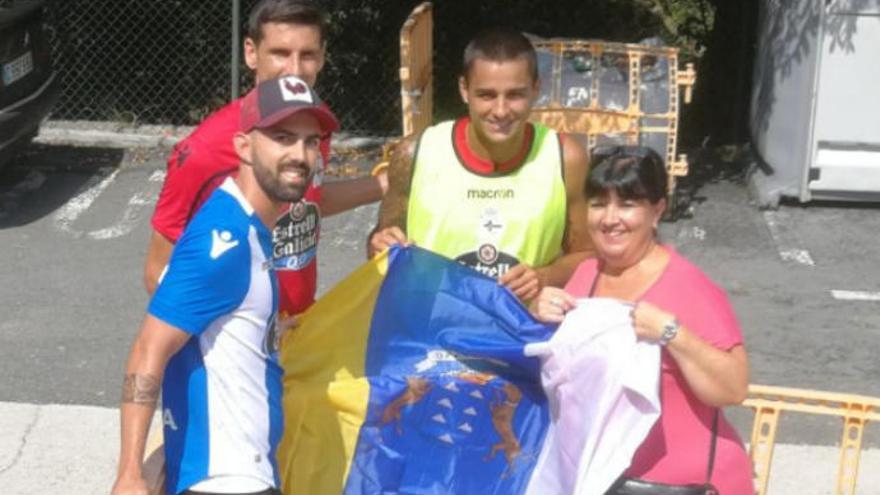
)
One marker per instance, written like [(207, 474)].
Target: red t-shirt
[(199, 164)]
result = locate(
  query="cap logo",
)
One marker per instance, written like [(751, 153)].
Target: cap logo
[(295, 90)]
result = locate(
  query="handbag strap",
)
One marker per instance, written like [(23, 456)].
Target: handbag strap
[(714, 439), (712, 447), (595, 281)]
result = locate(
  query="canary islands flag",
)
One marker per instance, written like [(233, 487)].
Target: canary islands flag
[(415, 375), (410, 377)]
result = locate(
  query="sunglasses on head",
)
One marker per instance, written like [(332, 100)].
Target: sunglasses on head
[(622, 150)]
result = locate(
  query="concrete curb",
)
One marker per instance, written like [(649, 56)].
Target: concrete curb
[(103, 139), (73, 449), (116, 135)]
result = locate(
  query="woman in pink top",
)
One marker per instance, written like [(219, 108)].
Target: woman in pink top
[(703, 363)]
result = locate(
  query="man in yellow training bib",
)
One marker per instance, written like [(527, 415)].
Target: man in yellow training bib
[(492, 190)]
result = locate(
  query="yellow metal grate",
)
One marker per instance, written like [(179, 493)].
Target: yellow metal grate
[(627, 124)]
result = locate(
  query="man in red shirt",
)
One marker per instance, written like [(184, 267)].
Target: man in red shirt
[(285, 37)]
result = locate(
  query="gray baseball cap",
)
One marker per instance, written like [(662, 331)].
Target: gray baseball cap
[(274, 100)]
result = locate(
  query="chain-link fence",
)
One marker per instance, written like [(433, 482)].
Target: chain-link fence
[(168, 61), (162, 61)]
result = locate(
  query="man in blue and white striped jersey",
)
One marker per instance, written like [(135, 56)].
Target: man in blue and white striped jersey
[(209, 340)]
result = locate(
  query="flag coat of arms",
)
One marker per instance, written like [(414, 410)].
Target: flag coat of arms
[(411, 376)]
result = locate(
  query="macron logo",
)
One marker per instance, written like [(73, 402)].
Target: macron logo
[(220, 243)]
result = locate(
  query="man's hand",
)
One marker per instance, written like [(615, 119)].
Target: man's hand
[(130, 486), (383, 239), (284, 325), (524, 281)]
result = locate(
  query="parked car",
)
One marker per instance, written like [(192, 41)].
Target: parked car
[(28, 85)]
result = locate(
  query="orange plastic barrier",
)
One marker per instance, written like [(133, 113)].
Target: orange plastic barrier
[(769, 403)]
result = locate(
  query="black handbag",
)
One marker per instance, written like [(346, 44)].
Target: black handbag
[(632, 486)]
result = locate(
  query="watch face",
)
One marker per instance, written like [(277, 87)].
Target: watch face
[(670, 330)]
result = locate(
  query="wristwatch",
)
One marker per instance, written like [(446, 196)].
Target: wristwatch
[(670, 330)]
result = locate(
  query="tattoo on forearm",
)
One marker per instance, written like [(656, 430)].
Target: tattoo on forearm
[(140, 389)]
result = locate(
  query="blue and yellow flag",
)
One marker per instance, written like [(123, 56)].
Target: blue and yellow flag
[(410, 377)]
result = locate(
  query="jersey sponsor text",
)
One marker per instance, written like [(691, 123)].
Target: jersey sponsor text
[(502, 193), (295, 237)]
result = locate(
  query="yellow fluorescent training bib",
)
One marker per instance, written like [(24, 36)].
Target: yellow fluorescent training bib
[(488, 222)]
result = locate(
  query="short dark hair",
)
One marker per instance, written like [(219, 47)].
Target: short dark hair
[(633, 172), (500, 45), (304, 12)]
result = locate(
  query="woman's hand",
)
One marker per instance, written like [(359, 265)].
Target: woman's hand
[(649, 320), (717, 377), (551, 305)]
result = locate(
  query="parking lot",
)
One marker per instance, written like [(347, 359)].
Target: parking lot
[(74, 222)]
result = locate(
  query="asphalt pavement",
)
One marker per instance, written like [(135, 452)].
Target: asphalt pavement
[(74, 222)]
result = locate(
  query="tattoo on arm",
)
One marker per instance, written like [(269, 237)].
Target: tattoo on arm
[(140, 389), (394, 206)]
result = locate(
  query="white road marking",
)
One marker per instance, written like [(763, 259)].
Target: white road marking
[(71, 211), (129, 217), (786, 242), (695, 232), (855, 295), (80, 203), (143, 199), (125, 226)]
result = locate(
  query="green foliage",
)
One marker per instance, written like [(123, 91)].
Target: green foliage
[(687, 23)]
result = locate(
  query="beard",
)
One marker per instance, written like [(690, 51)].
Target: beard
[(278, 191)]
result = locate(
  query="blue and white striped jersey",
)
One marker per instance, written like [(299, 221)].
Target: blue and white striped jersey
[(221, 394)]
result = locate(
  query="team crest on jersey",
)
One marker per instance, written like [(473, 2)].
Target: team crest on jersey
[(298, 211), (487, 254), (488, 260), (491, 224), (295, 237)]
